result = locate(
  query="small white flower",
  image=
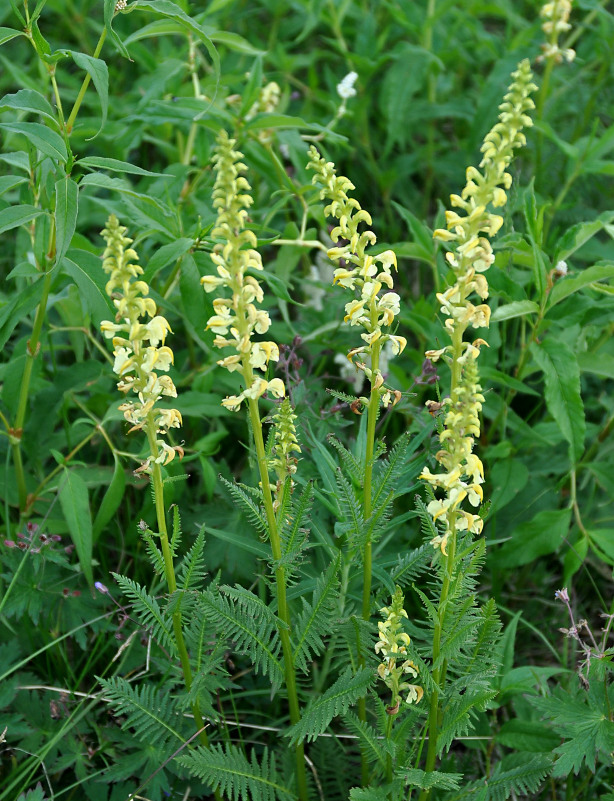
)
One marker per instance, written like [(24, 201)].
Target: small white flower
[(345, 89)]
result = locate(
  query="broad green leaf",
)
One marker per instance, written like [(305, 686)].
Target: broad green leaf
[(573, 283), (15, 216), (98, 71), (66, 208), (168, 27), (192, 293), (44, 139), (115, 165), (171, 10), (422, 234), (86, 271), (8, 182), (562, 375), (252, 88), (6, 34), (493, 376), (579, 235), (540, 536), (166, 255), (24, 270), (103, 181), (574, 559), (527, 735), (509, 477), (602, 541), (517, 308), (111, 500), (597, 363), (265, 121), (30, 101), (75, 504), (20, 305), (109, 13)]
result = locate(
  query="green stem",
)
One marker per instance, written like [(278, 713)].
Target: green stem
[(32, 349), (388, 734), (86, 82), (439, 671), (171, 581), (431, 89), (280, 583)]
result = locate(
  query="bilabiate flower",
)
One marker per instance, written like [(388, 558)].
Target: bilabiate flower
[(138, 357), (467, 234), (237, 317), (556, 21), (392, 647), (374, 306)]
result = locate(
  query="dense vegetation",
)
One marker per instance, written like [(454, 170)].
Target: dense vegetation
[(327, 541)]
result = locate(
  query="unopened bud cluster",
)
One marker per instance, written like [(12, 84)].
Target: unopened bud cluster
[(139, 349), (372, 309), (392, 647), (237, 317), (556, 22), (471, 256), (285, 441)]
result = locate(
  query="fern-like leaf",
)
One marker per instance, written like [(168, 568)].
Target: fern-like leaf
[(192, 567), (353, 468), (351, 510), (228, 770), (293, 529), (520, 774), (335, 701), (148, 612), (151, 713), (241, 494), (414, 777), (315, 621), (252, 631), (374, 748)]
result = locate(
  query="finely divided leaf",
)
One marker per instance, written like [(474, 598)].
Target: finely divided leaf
[(335, 701)]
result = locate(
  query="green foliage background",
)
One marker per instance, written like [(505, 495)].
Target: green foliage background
[(430, 77)]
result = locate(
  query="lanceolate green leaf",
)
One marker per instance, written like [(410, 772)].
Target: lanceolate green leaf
[(66, 208), (115, 165), (563, 397), (15, 216), (44, 139), (111, 500), (99, 73), (174, 12), (6, 34), (517, 308), (573, 283), (75, 504), (85, 270), (31, 101)]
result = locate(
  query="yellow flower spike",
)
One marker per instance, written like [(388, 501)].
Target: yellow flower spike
[(362, 272), (469, 258), (392, 643), (137, 353)]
